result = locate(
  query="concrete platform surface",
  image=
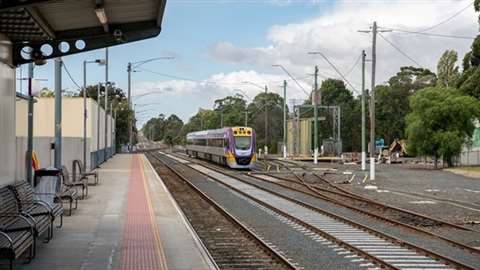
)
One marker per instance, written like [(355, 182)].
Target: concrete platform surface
[(129, 221)]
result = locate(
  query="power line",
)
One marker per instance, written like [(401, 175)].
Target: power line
[(449, 18), (429, 34), (181, 78), (70, 76), (399, 50), (353, 66), (337, 70)]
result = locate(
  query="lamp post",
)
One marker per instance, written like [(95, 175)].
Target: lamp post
[(100, 62), (131, 67)]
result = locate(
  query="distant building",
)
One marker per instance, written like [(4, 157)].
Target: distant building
[(470, 155)]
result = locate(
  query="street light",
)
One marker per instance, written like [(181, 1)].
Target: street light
[(266, 111), (130, 67), (100, 62)]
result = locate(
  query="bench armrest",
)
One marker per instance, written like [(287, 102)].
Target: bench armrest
[(43, 204), (5, 236), (27, 221)]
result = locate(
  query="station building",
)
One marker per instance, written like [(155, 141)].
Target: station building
[(42, 30)]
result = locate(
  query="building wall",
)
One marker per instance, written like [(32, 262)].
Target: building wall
[(470, 155), (7, 113), (72, 132), (303, 136)]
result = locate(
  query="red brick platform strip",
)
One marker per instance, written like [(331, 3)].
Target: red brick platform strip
[(141, 248)]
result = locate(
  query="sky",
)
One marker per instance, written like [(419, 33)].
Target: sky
[(218, 45)]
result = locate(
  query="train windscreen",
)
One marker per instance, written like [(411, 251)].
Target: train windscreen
[(242, 143)]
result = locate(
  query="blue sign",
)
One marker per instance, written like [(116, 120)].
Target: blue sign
[(380, 143)]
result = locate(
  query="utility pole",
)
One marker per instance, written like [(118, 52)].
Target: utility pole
[(106, 105), (130, 124), (284, 119), (372, 103), (111, 127), (266, 121), (364, 154), (30, 125), (97, 154), (85, 115), (374, 32), (315, 116), (246, 118), (58, 114)]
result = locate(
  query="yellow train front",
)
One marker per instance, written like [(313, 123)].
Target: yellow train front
[(232, 146)]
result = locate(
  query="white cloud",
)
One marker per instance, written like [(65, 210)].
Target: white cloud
[(185, 97), (335, 33)]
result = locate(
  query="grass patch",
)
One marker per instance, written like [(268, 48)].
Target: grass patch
[(467, 169)]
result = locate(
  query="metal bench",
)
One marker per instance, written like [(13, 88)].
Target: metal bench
[(41, 224), (82, 174), (17, 232), (68, 182), (70, 195), (29, 205)]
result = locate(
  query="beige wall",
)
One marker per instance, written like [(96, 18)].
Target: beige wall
[(7, 113), (72, 117), (72, 130), (21, 117)]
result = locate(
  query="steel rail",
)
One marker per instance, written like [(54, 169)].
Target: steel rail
[(352, 223), (318, 195), (225, 213), (310, 227), (354, 196)]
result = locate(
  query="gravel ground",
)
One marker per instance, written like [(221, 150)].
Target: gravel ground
[(438, 193), (429, 243), (309, 251)]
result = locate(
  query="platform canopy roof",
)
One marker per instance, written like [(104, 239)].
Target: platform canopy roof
[(43, 29)]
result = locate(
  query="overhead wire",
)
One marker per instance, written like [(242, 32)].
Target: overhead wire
[(70, 76), (425, 32), (353, 66), (399, 50), (429, 34), (339, 72), (181, 78), (449, 18)]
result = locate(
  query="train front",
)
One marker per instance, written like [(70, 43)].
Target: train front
[(242, 146)]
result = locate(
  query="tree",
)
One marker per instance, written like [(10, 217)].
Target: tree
[(117, 98), (469, 81), (273, 103), (45, 92), (447, 70), (335, 93), (173, 126), (392, 100), (441, 122), (233, 110)]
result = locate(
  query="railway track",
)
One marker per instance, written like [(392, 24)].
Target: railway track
[(338, 194), (230, 243), (382, 249)]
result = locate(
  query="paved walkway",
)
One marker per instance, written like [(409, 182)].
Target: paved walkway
[(129, 221)]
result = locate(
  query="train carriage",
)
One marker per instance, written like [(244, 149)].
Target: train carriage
[(231, 146)]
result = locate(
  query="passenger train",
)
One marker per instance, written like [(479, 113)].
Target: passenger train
[(231, 146)]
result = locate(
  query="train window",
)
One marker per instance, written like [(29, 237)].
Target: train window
[(242, 143)]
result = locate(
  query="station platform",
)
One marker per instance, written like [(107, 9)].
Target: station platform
[(128, 221)]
